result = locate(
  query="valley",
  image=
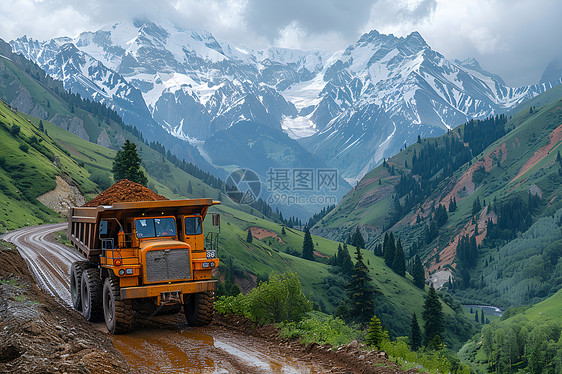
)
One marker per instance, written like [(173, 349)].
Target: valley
[(438, 248)]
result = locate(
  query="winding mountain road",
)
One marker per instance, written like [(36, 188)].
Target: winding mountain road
[(166, 345)]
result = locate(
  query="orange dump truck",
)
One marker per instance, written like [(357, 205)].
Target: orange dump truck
[(146, 257)]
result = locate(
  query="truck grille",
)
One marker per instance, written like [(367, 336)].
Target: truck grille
[(168, 264)]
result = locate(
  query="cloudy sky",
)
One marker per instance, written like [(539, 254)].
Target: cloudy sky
[(513, 38)]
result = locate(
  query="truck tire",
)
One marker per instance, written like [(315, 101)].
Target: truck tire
[(118, 313), (91, 295), (75, 281), (199, 308)]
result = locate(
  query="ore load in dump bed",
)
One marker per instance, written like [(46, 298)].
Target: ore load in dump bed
[(145, 253), (124, 191)]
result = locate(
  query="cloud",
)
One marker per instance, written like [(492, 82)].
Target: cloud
[(514, 38)]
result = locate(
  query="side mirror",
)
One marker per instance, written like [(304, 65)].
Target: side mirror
[(216, 219)]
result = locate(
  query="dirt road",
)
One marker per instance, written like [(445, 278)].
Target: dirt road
[(167, 344)]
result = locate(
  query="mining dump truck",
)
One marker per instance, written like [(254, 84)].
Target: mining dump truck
[(147, 257)]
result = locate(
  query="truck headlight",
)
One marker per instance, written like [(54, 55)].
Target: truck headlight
[(211, 254)]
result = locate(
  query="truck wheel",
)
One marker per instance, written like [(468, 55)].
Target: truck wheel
[(75, 279), (199, 308), (118, 313), (91, 294)]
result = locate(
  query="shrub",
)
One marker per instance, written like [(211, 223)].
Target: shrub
[(24, 147), (320, 328), (277, 300), (15, 130)]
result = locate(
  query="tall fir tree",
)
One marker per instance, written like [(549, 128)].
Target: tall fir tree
[(345, 262), (415, 334), (399, 262), (307, 246), (357, 240), (432, 316), (418, 273), (482, 317), (127, 163), (360, 291), (375, 334), (389, 250), (249, 237)]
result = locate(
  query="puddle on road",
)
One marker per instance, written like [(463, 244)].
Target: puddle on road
[(198, 351), (158, 351)]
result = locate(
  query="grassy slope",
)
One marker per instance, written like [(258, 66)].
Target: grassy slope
[(27, 175), (549, 309)]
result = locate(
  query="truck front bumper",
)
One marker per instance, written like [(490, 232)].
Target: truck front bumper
[(157, 290)]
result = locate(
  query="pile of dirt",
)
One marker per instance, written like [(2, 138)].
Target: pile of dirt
[(38, 335), (124, 191), (351, 358)]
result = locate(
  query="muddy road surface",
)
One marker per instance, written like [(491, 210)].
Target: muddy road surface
[(166, 344)]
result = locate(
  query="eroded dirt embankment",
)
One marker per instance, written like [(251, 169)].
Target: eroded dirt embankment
[(39, 335)]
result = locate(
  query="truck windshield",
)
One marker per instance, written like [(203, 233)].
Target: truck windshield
[(193, 226), (155, 227)]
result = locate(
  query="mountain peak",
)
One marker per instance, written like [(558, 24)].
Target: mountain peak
[(473, 64), (415, 42), (374, 36), (553, 71)]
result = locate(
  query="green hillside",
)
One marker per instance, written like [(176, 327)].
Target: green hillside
[(513, 180), (29, 162)]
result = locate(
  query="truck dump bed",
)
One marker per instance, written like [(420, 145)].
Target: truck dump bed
[(83, 222)]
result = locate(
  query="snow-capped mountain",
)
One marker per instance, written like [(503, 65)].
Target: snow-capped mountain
[(350, 108)]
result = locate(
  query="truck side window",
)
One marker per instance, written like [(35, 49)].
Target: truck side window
[(103, 227), (193, 226), (145, 228)]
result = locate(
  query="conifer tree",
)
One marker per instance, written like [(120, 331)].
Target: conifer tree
[(482, 318), (476, 316), (283, 231), (389, 250), (189, 188), (357, 240), (360, 291), (415, 333), (307, 246), (375, 334), (418, 273), (345, 262), (378, 250), (476, 206), (399, 261), (432, 316), (126, 164), (249, 237)]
